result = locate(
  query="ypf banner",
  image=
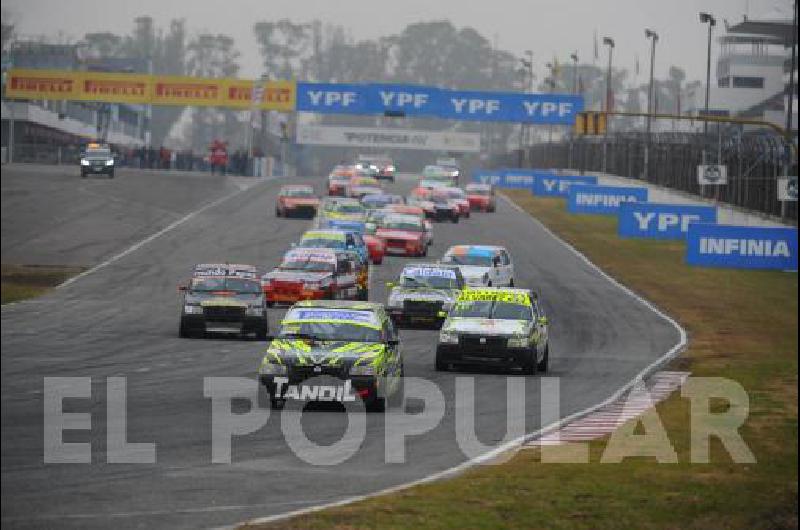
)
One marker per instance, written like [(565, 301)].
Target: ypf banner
[(661, 221), (146, 89), (416, 100), (602, 199), (510, 177), (559, 185), (742, 247)]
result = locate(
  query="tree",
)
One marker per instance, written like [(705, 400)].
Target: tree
[(284, 47), (8, 29), (210, 55), (103, 44)]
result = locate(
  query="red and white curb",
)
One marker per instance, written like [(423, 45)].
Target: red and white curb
[(606, 419)]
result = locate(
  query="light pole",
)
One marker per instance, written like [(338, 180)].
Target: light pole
[(608, 41), (574, 58), (653, 36), (707, 18), (524, 130)]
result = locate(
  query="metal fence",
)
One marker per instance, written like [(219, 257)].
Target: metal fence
[(754, 162)]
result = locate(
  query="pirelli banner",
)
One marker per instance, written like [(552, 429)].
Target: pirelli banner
[(148, 89)]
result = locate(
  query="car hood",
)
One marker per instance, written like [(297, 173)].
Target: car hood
[(486, 326), (302, 201), (474, 271), (296, 276), (398, 234), (212, 300), (400, 294), (298, 352)]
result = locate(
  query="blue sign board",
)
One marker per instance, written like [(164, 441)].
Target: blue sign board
[(510, 177), (742, 247), (661, 221), (416, 100), (332, 98), (558, 185), (602, 199)]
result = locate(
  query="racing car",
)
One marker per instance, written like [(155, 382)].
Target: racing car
[(296, 201), (482, 265), (339, 179), (312, 274), (382, 163), (423, 294), (345, 242), (481, 197), (404, 234), (443, 175), (97, 160), (336, 351), (224, 299), (458, 196), (417, 211), (496, 328), (375, 202), (361, 185), (444, 207)]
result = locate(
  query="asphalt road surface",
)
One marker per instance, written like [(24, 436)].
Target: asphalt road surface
[(122, 320)]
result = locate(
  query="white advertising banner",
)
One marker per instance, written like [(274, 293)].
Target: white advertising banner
[(388, 138)]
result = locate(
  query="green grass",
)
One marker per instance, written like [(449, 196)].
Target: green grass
[(20, 282), (742, 326)]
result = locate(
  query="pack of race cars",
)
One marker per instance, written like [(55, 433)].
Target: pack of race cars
[(335, 345)]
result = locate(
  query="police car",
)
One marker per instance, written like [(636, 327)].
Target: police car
[(482, 265), (423, 294), (497, 328), (337, 351), (225, 299), (97, 159)]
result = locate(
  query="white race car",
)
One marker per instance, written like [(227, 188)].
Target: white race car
[(482, 265)]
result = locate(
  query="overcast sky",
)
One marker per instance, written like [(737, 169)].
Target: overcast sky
[(547, 27)]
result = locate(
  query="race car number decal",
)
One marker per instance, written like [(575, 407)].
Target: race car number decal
[(479, 295)]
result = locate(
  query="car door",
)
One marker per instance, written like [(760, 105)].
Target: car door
[(539, 324), (506, 268), (348, 278)]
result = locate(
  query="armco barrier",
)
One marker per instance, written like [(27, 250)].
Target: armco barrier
[(558, 185), (602, 199), (661, 221), (741, 247)]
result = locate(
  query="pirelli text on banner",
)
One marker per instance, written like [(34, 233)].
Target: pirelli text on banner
[(147, 89)]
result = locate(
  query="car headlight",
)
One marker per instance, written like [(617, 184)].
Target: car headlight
[(110, 162), (448, 337), (192, 309), (254, 311), (519, 341), (362, 369), (271, 368), (84, 162)]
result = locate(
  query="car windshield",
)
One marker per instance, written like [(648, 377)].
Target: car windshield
[(479, 191), (310, 265), (297, 192), (429, 278), (476, 260), (410, 225), (321, 242), (438, 199), (346, 208), (375, 202), (237, 285), (339, 331), (100, 153), (491, 309), (455, 193)]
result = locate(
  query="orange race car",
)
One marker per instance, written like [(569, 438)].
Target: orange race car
[(296, 201)]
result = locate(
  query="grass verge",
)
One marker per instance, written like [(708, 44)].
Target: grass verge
[(742, 325), (20, 282)]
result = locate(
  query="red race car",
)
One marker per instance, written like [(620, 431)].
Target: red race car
[(338, 180), (376, 248), (481, 197), (312, 274), (404, 234), (296, 201)]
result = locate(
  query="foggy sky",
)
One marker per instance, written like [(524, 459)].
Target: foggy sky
[(548, 27)]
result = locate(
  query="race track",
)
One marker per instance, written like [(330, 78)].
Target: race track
[(122, 321)]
